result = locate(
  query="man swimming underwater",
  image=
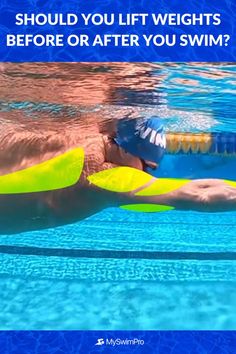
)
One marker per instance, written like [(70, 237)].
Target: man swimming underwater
[(138, 144)]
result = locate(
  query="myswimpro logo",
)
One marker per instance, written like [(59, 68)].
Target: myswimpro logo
[(118, 341), (100, 341)]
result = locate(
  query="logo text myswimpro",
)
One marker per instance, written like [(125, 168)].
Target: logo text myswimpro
[(118, 341)]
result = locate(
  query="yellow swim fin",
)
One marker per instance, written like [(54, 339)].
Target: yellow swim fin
[(59, 172)]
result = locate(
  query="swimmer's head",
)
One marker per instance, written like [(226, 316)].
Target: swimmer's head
[(143, 138)]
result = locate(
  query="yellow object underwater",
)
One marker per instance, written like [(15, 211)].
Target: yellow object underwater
[(231, 183), (57, 173), (163, 186), (120, 179), (147, 208)]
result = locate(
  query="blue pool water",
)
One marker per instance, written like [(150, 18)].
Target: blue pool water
[(119, 269)]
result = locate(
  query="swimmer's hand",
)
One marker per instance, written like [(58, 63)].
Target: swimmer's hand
[(208, 195)]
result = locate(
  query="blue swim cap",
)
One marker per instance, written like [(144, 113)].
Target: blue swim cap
[(142, 137)]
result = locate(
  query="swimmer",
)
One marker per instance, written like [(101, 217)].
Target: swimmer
[(139, 145), (144, 139)]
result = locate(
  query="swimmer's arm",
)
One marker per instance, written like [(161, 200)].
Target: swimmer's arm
[(208, 195)]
